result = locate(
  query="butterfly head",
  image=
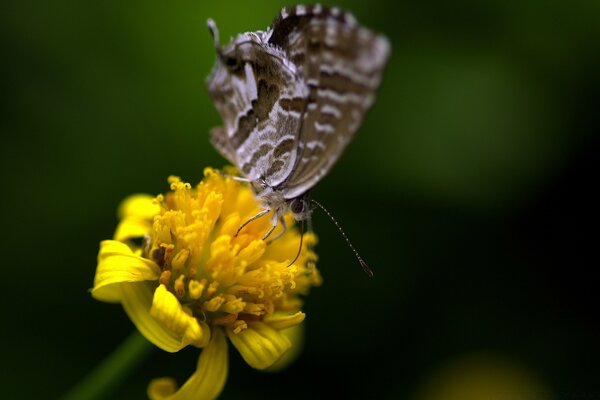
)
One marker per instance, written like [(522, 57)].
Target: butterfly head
[(246, 47), (227, 55), (300, 207)]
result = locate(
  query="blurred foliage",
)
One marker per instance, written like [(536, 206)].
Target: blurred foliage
[(468, 189)]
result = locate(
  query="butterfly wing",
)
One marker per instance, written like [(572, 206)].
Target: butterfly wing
[(218, 138), (341, 63), (261, 99)]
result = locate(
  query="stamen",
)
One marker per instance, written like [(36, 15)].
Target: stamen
[(168, 252), (212, 288), (180, 259), (254, 309), (214, 304), (196, 288), (234, 306), (226, 319), (239, 326), (165, 278), (179, 286)]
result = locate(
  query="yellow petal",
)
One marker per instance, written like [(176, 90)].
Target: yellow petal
[(260, 345), (161, 388), (117, 264), (132, 227), (136, 213), (295, 335), (167, 310), (283, 321), (136, 299), (208, 380), (140, 206)]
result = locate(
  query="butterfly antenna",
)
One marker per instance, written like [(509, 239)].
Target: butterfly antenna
[(301, 240), (214, 32), (362, 262)]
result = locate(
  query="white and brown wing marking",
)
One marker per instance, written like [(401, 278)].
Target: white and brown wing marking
[(291, 98), (341, 64), (247, 84)]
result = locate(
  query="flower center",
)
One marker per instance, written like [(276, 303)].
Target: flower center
[(222, 279)]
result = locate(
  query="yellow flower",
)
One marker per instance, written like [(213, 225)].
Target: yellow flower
[(184, 278)]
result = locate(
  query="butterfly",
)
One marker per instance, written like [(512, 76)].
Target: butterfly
[(291, 98)]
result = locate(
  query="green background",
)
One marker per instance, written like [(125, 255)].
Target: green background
[(468, 189)]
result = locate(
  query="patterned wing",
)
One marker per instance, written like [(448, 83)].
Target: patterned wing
[(341, 63), (218, 138), (252, 86)]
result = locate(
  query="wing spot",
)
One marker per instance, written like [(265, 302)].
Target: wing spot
[(296, 104), (284, 147), (262, 151), (274, 168), (300, 10)]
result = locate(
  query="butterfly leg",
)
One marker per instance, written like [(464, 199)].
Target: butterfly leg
[(310, 262), (284, 226), (257, 216), (272, 228), (239, 178), (235, 178)]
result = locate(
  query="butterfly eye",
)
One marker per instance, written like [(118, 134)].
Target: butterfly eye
[(297, 206), (231, 62)]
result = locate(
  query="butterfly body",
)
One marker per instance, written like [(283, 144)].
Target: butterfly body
[(292, 97)]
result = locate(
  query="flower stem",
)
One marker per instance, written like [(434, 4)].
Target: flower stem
[(113, 370)]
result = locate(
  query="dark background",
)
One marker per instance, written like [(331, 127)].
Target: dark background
[(468, 189)]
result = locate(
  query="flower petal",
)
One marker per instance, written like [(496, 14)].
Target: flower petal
[(136, 299), (117, 264), (280, 321), (260, 345), (208, 380), (161, 388), (132, 227), (167, 310), (136, 213), (295, 335), (141, 206)]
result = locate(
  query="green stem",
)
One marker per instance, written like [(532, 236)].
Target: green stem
[(113, 370)]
